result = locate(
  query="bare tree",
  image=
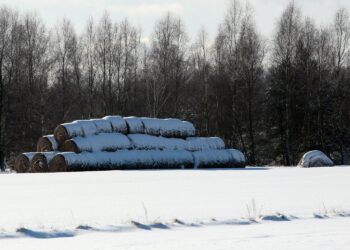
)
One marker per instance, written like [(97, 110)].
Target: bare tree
[(168, 64)]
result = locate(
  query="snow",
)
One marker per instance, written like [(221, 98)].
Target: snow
[(54, 205), (135, 125), (168, 127), (315, 158), (299, 234), (102, 142), (118, 124)]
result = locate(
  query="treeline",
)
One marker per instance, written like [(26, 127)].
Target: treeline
[(273, 99)]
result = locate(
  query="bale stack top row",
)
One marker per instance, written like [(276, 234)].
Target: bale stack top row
[(115, 142)]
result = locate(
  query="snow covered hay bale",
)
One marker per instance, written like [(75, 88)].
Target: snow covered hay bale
[(118, 124), (135, 125), (96, 143), (40, 162), (22, 162), (204, 143), (121, 160), (315, 158), (150, 142), (66, 131), (102, 125), (168, 127), (47, 143), (225, 158)]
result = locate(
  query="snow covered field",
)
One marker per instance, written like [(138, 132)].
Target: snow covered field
[(177, 209)]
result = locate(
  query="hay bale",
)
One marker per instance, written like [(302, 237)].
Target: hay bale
[(118, 124), (40, 162), (225, 158), (22, 162), (315, 158), (96, 143), (150, 142), (66, 131), (168, 127), (124, 160), (88, 127), (204, 143), (70, 146), (47, 143), (103, 125), (135, 125), (58, 164)]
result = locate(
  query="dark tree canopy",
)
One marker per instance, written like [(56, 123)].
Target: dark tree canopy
[(272, 98)]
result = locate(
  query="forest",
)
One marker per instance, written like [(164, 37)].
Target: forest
[(273, 98)]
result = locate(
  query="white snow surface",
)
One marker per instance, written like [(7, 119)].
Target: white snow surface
[(53, 205), (315, 158), (53, 141), (102, 142)]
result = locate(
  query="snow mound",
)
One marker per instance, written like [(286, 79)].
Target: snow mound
[(224, 158), (315, 158), (168, 127), (118, 123)]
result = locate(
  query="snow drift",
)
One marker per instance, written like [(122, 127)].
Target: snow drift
[(315, 158)]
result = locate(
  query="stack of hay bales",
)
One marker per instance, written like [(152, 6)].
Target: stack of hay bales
[(116, 142)]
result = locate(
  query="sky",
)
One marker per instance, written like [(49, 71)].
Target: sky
[(195, 13)]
